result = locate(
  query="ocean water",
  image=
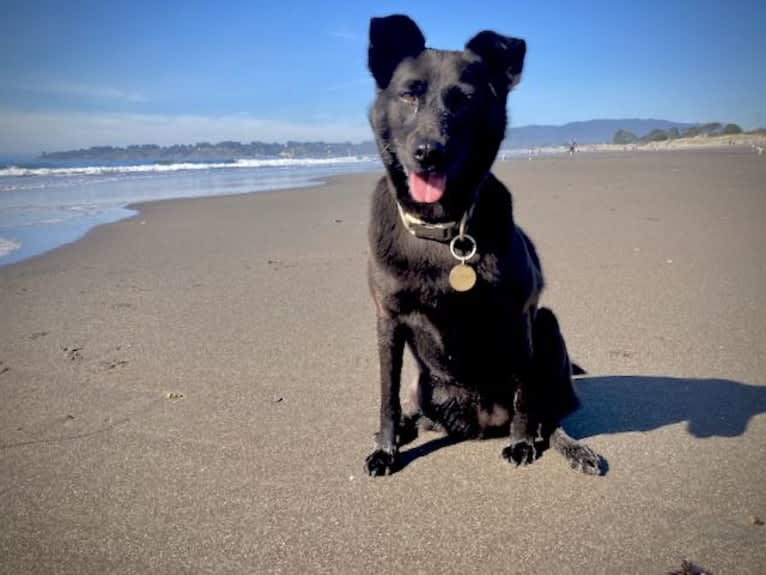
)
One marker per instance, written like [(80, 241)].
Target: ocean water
[(44, 205)]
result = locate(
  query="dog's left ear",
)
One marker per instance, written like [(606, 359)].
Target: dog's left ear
[(504, 57), (392, 39)]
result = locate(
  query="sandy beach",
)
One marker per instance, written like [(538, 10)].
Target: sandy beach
[(195, 389)]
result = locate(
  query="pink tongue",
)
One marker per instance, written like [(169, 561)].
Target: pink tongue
[(427, 188)]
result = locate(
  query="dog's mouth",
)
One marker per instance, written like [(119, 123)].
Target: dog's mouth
[(427, 187)]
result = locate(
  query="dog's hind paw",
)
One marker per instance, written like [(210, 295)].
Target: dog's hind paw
[(583, 458), (380, 462), (520, 453), (407, 430), (580, 456)]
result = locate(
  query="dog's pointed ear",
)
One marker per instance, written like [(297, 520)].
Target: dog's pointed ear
[(392, 39), (504, 57)]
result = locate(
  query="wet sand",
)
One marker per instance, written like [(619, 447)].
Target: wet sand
[(195, 389)]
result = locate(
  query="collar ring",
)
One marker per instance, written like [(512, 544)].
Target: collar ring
[(467, 255)]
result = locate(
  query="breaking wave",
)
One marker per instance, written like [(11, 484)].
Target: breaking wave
[(8, 246), (16, 171)]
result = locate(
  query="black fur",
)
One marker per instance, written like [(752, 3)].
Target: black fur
[(490, 361)]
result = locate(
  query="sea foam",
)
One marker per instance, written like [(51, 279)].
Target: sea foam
[(16, 171), (8, 246)]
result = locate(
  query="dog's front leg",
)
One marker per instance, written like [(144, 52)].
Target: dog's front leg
[(522, 449), (523, 431), (383, 461)]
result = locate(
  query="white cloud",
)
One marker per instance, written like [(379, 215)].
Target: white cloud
[(86, 91), (33, 132), (100, 93)]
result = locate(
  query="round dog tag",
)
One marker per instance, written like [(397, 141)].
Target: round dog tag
[(462, 277)]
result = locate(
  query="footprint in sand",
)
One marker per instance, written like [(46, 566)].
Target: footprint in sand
[(113, 364), (73, 353), (277, 265)]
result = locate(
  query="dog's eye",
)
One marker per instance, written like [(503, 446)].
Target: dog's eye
[(455, 98), (412, 91)]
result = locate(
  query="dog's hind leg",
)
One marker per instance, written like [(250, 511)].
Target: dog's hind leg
[(407, 431), (556, 394), (553, 369), (544, 395), (412, 414)]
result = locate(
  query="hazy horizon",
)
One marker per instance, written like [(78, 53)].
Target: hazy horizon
[(80, 74), (619, 123)]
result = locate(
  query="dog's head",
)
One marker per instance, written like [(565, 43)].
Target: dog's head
[(439, 116)]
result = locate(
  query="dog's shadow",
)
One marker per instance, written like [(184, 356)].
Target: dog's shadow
[(619, 404)]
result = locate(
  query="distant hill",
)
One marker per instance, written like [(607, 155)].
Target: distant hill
[(589, 132), (522, 137), (221, 151)]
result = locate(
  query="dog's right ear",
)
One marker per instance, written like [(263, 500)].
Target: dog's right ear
[(392, 39), (504, 57)]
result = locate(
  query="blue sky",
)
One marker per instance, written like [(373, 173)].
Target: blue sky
[(77, 73)]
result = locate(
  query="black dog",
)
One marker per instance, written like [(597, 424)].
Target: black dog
[(451, 274)]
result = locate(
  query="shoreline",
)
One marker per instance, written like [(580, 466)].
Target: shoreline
[(15, 250), (24, 240)]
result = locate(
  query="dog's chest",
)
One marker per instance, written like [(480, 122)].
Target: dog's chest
[(465, 337), (463, 332)]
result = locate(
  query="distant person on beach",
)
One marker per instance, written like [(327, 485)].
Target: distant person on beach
[(572, 147)]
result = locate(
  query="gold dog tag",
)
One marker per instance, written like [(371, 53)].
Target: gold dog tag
[(462, 277)]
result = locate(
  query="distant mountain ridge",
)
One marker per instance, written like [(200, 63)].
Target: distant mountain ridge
[(587, 132), (522, 137), (221, 151)]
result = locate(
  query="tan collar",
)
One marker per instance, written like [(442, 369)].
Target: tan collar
[(440, 232)]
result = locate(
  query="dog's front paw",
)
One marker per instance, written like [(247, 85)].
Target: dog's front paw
[(380, 462), (520, 453)]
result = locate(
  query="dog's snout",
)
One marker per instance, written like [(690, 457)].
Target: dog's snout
[(429, 153)]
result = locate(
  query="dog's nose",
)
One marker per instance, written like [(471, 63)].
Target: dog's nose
[(429, 153)]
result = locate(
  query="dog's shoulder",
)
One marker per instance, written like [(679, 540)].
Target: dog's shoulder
[(505, 243), (494, 210)]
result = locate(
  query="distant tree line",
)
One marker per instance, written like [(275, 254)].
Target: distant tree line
[(710, 129), (221, 151)]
